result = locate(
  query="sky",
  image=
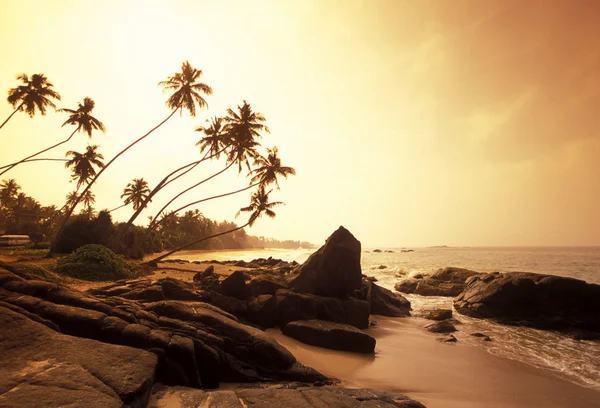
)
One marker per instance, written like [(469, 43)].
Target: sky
[(411, 123)]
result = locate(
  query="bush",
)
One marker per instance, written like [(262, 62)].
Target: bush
[(135, 242), (82, 231), (93, 262)]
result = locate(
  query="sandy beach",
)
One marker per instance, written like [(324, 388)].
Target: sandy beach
[(411, 361)]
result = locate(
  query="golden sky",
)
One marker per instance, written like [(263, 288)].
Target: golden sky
[(409, 122)]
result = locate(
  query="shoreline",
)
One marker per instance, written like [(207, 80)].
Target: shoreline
[(411, 361)]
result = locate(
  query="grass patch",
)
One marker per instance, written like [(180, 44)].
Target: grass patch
[(94, 263)]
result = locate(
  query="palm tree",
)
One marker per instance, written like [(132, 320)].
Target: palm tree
[(8, 192), (83, 164), (186, 95), (269, 168), (88, 199), (35, 94), (215, 140), (243, 128), (81, 118), (136, 192), (259, 204)]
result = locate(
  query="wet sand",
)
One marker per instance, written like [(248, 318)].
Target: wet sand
[(440, 375)]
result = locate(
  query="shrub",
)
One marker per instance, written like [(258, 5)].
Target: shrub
[(82, 231), (93, 262)]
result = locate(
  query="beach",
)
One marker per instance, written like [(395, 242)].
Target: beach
[(411, 361)]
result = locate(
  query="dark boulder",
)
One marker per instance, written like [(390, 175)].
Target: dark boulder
[(330, 335), (234, 286), (441, 327), (482, 336), (293, 306), (436, 314), (209, 271), (449, 339), (386, 303), (540, 301), (448, 281), (334, 270)]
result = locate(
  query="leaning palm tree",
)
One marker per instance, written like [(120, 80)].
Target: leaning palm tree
[(187, 94), (136, 192), (244, 127), (268, 168), (35, 94), (81, 118), (82, 164), (259, 204), (215, 139)]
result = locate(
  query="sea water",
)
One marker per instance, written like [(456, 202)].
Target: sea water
[(576, 361)]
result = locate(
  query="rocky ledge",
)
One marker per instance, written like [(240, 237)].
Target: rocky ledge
[(448, 281), (534, 300)]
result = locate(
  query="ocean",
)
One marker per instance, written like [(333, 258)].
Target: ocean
[(575, 361)]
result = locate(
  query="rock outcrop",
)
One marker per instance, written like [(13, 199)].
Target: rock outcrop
[(534, 300), (334, 270), (386, 303), (448, 281), (292, 396), (330, 335), (443, 326)]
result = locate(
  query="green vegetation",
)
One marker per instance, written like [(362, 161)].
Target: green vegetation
[(232, 137), (93, 262)]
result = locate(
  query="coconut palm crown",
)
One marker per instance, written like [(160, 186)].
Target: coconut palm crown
[(186, 89)]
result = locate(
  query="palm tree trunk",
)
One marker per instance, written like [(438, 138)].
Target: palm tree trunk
[(11, 115), (40, 152), (154, 261), (32, 160), (155, 221), (91, 183), (190, 188), (116, 208)]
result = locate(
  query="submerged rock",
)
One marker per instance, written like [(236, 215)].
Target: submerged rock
[(441, 327), (330, 335), (540, 301), (333, 270), (448, 281), (436, 314)]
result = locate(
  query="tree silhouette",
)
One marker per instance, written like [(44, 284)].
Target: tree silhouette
[(34, 95), (268, 169), (81, 118), (186, 95), (259, 204), (136, 192), (82, 164)]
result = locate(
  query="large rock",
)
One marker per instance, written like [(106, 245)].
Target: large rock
[(448, 281), (293, 306), (386, 303), (41, 367), (330, 335), (334, 270), (288, 396), (541, 301)]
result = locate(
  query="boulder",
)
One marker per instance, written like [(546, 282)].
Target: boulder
[(449, 339), (41, 367), (293, 306), (448, 281), (330, 335), (482, 336), (441, 327), (534, 300), (386, 303), (436, 314), (199, 276), (334, 270), (234, 286)]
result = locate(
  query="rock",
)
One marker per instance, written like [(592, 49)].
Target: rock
[(377, 250), (234, 286), (436, 314), (542, 301), (482, 336), (334, 270), (381, 267), (445, 282), (199, 276), (265, 285), (288, 396), (449, 339), (407, 250), (330, 335), (41, 367), (298, 306), (386, 303), (441, 327)]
